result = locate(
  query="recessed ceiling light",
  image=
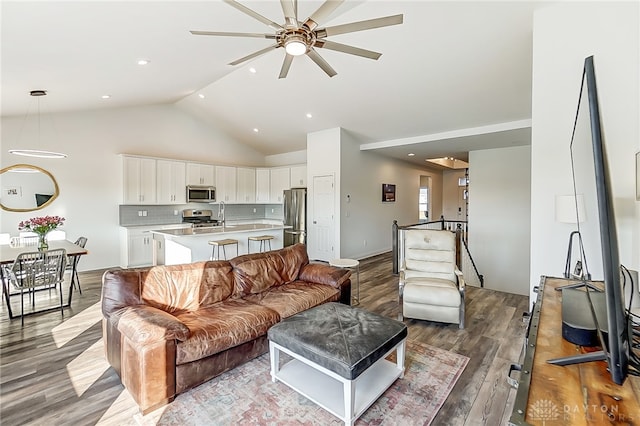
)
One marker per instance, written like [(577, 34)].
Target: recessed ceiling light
[(201, 96), (411, 154), (143, 61), (309, 115), (255, 129), (106, 96), (252, 70)]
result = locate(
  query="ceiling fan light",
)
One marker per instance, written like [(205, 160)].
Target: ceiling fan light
[(295, 45)]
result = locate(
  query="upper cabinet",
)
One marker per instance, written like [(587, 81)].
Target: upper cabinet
[(226, 184), (263, 185), (280, 180), (164, 181), (200, 174), (246, 185), (171, 186), (299, 176), (139, 180)]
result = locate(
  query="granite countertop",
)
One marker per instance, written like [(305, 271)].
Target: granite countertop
[(227, 229)]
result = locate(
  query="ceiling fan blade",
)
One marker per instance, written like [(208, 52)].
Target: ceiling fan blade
[(360, 26), (255, 54), (322, 13), (338, 47), (289, 9), (285, 66), (227, 34), (315, 57), (255, 15)]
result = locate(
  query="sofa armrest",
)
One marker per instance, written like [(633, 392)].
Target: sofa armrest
[(145, 324), (324, 274), (140, 343)]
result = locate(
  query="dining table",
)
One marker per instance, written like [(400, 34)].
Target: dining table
[(9, 252)]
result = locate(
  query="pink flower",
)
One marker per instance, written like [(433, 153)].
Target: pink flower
[(41, 225)]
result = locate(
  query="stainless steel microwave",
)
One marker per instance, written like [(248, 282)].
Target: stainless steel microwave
[(201, 194)]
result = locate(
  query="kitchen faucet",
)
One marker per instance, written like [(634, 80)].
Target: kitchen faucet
[(221, 211)]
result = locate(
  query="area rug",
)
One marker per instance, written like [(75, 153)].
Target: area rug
[(247, 396)]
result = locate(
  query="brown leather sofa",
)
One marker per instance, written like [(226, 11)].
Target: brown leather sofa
[(168, 329)]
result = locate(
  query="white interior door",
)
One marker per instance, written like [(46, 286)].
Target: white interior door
[(323, 219)]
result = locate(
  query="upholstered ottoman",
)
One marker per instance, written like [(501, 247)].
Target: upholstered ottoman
[(338, 356)]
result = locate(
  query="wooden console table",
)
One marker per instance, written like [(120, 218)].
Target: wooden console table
[(579, 394)]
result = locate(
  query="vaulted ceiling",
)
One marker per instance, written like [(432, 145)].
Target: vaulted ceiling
[(454, 77)]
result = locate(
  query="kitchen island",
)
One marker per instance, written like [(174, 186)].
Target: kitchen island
[(187, 245)]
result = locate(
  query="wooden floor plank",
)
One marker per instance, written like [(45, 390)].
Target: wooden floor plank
[(47, 375)]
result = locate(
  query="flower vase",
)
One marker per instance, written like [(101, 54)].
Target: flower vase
[(42, 242)]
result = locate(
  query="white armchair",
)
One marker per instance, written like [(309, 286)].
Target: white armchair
[(431, 285)]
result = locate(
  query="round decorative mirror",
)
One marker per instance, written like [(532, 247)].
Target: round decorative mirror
[(26, 188)]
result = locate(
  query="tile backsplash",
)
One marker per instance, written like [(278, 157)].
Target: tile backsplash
[(164, 215)]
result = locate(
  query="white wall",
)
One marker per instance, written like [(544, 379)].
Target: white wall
[(286, 159), (499, 216), (366, 221), (563, 36), (360, 175), (323, 159), (90, 179), (453, 203)]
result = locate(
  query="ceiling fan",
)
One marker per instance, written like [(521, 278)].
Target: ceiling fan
[(303, 37)]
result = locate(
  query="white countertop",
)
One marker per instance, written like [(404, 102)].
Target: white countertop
[(227, 229)]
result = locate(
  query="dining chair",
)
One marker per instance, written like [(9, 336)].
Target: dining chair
[(72, 263), (39, 269)]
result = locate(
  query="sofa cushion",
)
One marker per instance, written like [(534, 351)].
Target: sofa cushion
[(257, 272), (294, 297), (188, 287), (222, 326), (144, 324)]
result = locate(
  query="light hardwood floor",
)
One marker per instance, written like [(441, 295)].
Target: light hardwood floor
[(53, 371)]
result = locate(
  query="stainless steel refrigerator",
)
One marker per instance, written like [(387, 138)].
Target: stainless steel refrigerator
[(295, 215)]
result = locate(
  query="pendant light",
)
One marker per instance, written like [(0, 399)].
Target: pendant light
[(37, 152)]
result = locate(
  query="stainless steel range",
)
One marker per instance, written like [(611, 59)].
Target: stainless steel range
[(199, 218)]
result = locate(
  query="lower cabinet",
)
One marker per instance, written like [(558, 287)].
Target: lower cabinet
[(136, 245), (139, 248)]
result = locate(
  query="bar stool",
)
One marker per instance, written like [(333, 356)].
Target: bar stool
[(350, 264), (263, 239), (221, 243)]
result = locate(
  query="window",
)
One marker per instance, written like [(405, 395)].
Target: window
[(423, 205)]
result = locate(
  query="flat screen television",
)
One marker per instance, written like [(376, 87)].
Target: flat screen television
[(597, 229)]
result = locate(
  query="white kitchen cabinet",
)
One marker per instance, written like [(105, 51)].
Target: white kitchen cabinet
[(280, 180), (139, 248), (246, 185), (139, 180), (226, 184), (171, 185), (298, 176), (263, 185), (137, 244), (201, 174)]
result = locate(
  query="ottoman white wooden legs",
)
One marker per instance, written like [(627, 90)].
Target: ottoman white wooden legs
[(338, 357)]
